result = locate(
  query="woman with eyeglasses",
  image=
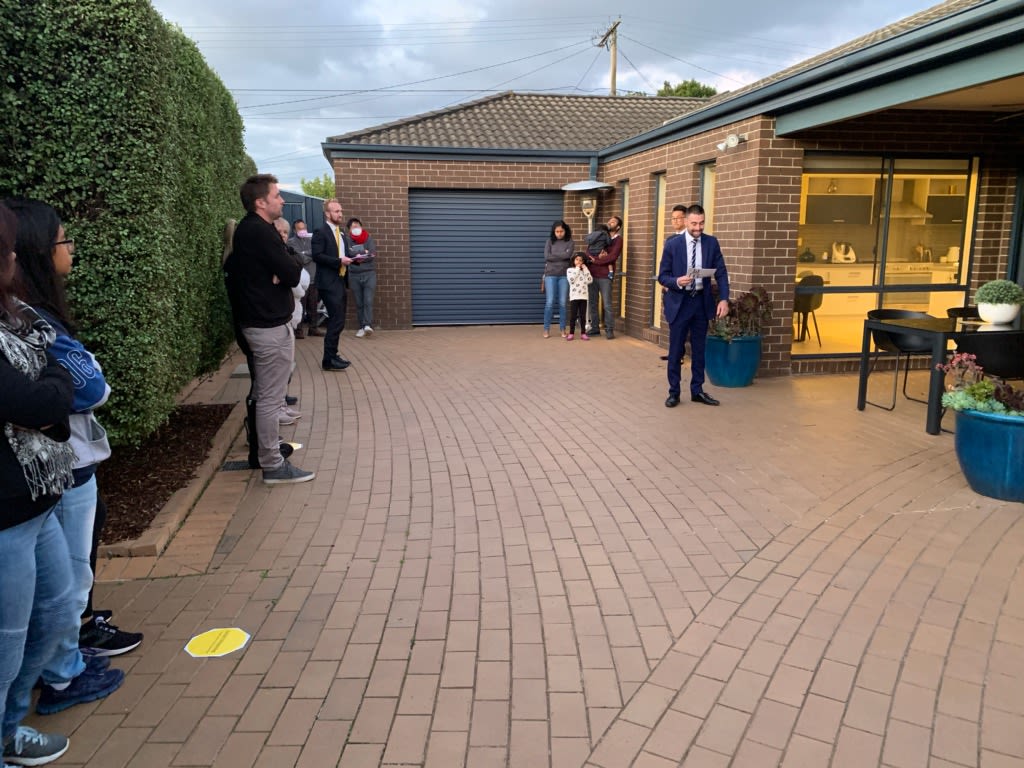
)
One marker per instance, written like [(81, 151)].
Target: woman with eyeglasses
[(45, 256), (35, 468)]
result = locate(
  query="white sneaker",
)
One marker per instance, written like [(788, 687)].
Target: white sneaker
[(368, 330), (360, 333)]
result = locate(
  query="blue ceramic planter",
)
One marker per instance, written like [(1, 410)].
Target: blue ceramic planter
[(732, 363), (990, 448)]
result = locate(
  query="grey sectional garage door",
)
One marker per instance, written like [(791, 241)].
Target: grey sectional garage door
[(478, 256)]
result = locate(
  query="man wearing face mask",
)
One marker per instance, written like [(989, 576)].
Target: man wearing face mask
[(362, 274), (302, 241)]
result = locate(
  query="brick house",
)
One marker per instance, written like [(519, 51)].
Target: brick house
[(891, 167)]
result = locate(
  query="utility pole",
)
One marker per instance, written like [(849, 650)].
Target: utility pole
[(611, 39)]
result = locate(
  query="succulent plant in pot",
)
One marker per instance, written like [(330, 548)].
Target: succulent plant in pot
[(999, 301), (733, 352), (989, 439), (747, 316)]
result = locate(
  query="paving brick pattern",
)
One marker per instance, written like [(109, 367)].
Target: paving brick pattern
[(514, 555)]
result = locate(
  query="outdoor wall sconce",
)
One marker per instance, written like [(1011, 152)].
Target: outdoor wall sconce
[(589, 190), (732, 140), (588, 204)]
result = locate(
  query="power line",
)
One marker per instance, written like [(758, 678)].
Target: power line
[(683, 61), (635, 69), (386, 88)]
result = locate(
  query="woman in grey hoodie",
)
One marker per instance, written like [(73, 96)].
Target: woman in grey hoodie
[(558, 251)]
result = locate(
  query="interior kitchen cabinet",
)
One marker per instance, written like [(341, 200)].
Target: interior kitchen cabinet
[(838, 200)]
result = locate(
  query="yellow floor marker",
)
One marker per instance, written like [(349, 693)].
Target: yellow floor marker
[(217, 642)]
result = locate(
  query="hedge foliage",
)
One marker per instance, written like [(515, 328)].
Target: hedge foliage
[(111, 115)]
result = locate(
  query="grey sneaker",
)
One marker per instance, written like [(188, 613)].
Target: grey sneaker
[(287, 473), (30, 747)]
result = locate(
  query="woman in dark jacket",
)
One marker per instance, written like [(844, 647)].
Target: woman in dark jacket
[(45, 258), (35, 468)]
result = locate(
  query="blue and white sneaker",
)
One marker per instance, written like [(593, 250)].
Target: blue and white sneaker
[(30, 747)]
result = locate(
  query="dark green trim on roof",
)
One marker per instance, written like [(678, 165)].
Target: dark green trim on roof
[(932, 82)]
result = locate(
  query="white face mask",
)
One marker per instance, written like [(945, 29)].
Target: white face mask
[(356, 231)]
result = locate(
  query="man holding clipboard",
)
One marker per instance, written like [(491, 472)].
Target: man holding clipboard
[(688, 262)]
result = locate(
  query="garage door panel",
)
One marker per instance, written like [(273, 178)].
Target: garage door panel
[(477, 256)]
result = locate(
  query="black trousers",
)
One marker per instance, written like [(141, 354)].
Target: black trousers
[(335, 301), (578, 311)]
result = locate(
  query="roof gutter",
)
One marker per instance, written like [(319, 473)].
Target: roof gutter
[(999, 21)]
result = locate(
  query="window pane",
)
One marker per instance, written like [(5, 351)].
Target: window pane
[(839, 218), (927, 218), (838, 318)]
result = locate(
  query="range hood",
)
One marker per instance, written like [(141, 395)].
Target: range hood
[(901, 209)]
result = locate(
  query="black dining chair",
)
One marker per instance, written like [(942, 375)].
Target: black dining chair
[(968, 313), (1000, 356), (805, 304), (902, 343)]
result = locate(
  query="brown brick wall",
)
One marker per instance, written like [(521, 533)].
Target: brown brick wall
[(377, 191)]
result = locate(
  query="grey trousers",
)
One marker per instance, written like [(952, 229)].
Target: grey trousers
[(363, 285), (273, 350)]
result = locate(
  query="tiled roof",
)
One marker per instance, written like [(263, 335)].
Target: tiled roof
[(920, 19), (534, 121)]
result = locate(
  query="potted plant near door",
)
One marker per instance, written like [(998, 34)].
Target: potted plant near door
[(999, 301), (989, 438), (733, 350)]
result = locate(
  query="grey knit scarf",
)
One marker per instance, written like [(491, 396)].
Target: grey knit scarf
[(24, 339)]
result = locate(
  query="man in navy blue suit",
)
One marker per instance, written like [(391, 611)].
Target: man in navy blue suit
[(329, 249), (688, 303)]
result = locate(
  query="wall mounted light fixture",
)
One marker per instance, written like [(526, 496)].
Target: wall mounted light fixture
[(732, 140), (589, 189)]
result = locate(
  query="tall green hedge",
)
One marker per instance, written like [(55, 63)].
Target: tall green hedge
[(111, 114)]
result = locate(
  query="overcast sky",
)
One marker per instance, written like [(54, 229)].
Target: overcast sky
[(309, 69)]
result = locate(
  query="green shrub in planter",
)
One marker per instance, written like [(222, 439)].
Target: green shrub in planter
[(999, 292)]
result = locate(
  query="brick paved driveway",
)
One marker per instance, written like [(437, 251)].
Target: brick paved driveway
[(513, 554)]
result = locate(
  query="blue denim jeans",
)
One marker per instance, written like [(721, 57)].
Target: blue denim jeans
[(601, 286), (35, 609), (76, 512), (553, 285)]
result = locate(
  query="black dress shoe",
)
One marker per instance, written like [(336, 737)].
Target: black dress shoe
[(672, 401), (290, 400), (337, 364), (703, 397), (610, 335)]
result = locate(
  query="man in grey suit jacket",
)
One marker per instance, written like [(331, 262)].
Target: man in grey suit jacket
[(329, 249), (688, 302)]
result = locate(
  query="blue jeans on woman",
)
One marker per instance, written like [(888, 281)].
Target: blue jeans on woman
[(553, 285), (35, 611), (76, 513)]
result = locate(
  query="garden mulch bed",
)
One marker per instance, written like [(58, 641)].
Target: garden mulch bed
[(136, 482)]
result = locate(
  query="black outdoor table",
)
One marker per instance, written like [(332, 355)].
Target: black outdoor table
[(940, 330)]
